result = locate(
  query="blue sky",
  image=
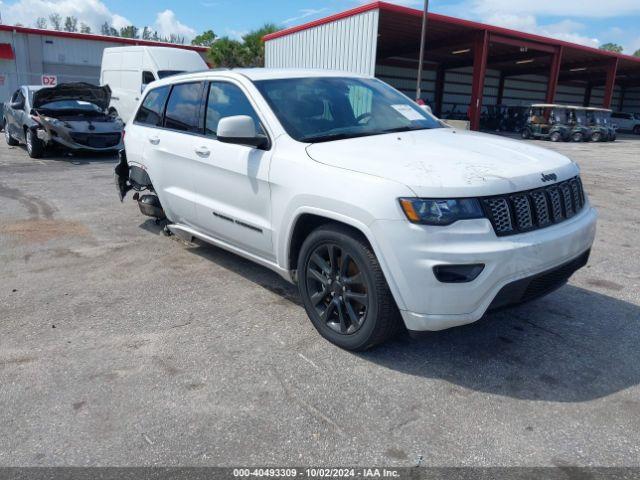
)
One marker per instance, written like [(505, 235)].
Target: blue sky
[(590, 22)]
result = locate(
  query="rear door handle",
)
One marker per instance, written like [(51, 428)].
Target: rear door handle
[(203, 152), (154, 140)]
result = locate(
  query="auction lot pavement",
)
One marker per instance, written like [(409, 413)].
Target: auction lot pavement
[(120, 346)]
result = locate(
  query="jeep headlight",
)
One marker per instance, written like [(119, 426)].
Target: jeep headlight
[(437, 211)]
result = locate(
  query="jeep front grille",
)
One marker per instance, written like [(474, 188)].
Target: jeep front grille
[(534, 209)]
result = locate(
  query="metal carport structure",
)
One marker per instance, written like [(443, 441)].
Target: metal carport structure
[(383, 39)]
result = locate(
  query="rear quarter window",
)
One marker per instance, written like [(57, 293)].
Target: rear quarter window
[(150, 112)]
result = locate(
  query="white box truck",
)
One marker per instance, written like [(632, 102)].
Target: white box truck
[(128, 70)]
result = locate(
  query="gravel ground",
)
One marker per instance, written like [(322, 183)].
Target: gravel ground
[(119, 346)]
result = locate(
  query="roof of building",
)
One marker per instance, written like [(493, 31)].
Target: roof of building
[(97, 38), (385, 6), (450, 42)]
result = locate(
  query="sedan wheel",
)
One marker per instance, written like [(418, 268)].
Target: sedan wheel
[(35, 147), (7, 136)]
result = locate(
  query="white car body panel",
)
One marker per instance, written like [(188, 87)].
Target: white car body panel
[(358, 182)]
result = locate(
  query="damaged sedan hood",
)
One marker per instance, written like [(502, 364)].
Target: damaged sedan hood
[(445, 162), (84, 92)]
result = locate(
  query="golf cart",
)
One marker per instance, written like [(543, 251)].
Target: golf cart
[(580, 131), (599, 121), (547, 121)]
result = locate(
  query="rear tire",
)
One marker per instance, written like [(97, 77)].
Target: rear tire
[(349, 304), (35, 146), (113, 113), (577, 137), (555, 137), (636, 129), (596, 137), (526, 134), (7, 136)]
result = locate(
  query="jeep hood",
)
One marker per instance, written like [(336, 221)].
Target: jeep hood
[(446, 162), (84, 92)]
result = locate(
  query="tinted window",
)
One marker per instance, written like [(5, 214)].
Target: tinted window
[(332, 108), (147, 78), (227, 100), (150, 112), (183, 107)]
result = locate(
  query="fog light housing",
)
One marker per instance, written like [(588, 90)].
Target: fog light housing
[(458, 273)]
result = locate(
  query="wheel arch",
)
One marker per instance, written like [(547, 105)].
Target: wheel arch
[(305, 221)]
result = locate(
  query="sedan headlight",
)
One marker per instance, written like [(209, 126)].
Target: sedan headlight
[(436, 211), (53, 121)]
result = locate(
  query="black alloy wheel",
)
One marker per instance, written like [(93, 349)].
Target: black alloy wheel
[(344, 290), (337, 288)]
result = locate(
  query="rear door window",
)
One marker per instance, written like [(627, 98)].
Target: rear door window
[(183, 108), (150, 112)]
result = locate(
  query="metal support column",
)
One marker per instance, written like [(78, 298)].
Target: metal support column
[(480, 54), (554, 74), (587, 95), (500, 89), (612, 69), (439, 94)]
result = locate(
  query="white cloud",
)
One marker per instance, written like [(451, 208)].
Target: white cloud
[(235, 34), (304, 13), (571, 8), (567, 30), (92, 12), (167, 23)]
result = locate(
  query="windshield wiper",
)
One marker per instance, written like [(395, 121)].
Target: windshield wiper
[(403, 129), (335, 136)]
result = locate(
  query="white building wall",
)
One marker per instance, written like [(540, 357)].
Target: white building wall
[(348, 44)]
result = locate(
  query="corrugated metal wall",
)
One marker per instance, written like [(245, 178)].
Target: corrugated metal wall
[(631, 100), (520, 90), (348, 44)]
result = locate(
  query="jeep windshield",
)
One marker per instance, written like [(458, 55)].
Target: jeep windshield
[(321, 109)]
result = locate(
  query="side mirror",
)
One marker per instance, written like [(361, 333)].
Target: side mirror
[(240, 130), (17, 105)]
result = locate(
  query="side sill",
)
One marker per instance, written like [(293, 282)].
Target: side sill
[(184, 232)]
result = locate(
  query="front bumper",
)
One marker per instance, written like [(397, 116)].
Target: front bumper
[(68, 142), (411, 251)]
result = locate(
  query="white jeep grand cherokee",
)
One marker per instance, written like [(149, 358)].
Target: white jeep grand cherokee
[(343, 185)]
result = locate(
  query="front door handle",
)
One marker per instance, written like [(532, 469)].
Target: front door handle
[(203, 152), (154, 140)]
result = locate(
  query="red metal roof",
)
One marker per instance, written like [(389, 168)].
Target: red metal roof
[(98, 38), (436, 17)]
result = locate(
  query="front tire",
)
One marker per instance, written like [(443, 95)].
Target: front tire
[(555, 137), (35, 146), (577, 137), (526, 134), (12, 142), (636, 129), (596, 137), (344, 290)]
